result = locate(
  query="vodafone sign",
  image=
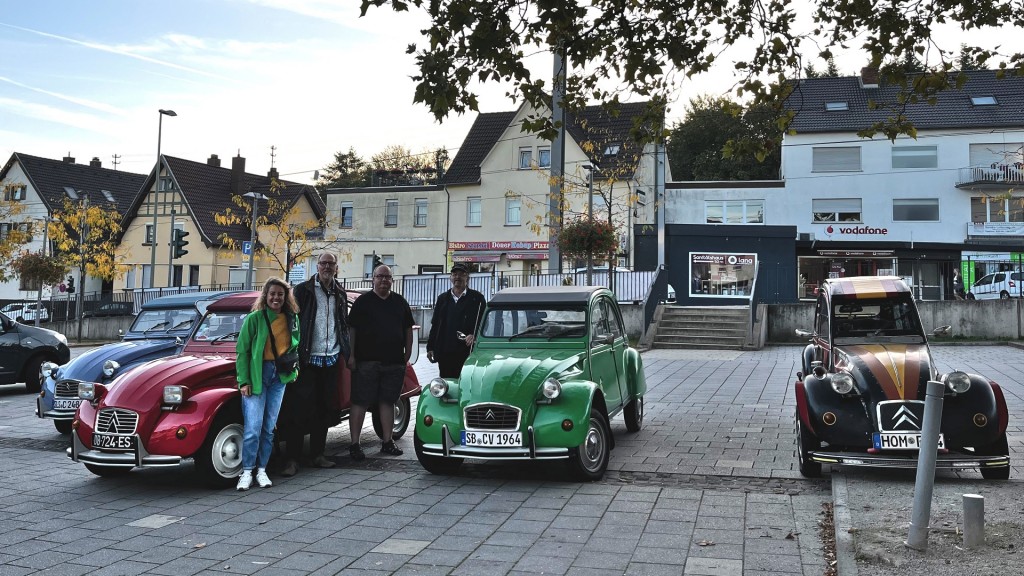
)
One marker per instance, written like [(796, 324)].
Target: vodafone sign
[(855, 230)]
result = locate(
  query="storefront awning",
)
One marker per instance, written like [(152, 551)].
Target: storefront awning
[(476, 256), (531, 255)]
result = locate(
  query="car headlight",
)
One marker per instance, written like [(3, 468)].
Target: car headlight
[(87, 391), (842, 383), (63, 339), (48, 369), (438, 387), (174, 395), (958, 382), (551, 389), (110, 367)]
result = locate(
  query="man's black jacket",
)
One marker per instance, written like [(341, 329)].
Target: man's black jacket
[(468, 314)]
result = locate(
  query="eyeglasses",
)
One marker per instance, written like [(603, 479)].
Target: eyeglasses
[(326, 264), (388, 277)]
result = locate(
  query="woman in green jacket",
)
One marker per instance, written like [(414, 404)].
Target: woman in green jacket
[(269, 335)]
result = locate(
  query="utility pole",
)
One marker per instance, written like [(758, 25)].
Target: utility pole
[(557, 161), (81, 270)]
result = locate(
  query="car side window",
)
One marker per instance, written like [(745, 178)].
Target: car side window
[(614, 322), (821, 317)]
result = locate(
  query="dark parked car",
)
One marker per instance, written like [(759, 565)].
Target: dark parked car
[(110, 309), (24, 348), (158, 331), (860, 396)]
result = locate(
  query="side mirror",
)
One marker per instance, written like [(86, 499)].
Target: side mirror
[(804, 333), (946, 330), (414, 354)]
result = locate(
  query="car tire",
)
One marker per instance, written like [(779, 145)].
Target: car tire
[(1004, 295), (589, 460), (998, 448), (108, 471), (401, 423), (31, 374), (62, 426), (805, 442), (970, 296), (633, 414), (219, 460), (19, 320), (435, 464)]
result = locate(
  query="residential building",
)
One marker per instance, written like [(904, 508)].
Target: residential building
[(490, 210), (913, 207), (43, 185)]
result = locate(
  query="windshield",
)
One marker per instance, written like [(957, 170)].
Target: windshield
[(541, 323), (220, 327), (156, 322), (874, 317)]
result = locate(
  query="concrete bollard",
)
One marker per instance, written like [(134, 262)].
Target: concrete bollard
[(925, 483), (974, 520)]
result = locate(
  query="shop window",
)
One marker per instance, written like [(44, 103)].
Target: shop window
[(915, 210), (835, 159), (914, 157), (722, 275), (836, 210)]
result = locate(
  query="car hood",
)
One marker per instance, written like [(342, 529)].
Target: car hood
[(514, 376), (141, 387), (888, 371), (89, 366)]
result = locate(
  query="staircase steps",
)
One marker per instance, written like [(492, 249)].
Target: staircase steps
[(712, 327)]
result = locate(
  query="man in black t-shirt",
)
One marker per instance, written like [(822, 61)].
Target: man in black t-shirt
[(380, 328)]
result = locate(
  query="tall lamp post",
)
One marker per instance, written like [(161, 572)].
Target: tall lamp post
[(590, 168), (156, 189), (256, 197), (39, 294)]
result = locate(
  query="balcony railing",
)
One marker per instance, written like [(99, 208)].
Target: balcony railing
[(998, 175)]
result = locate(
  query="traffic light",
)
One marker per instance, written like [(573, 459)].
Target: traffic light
[(71, 284), (377, 262), (179, 242)]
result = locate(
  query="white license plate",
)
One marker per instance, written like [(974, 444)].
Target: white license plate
[(901, 441), (113, 441), (66, 403), (492, 438)]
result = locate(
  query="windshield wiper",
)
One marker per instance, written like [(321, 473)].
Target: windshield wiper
[(563, 330), (182, 324), (154, 327), (529, 330), (224, 337)]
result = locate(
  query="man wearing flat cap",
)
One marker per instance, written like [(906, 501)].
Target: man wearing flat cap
[(457, 315)]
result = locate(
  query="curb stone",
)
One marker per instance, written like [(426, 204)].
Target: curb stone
[(846, 557)]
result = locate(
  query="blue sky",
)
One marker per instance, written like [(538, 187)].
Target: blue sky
[(308, 77)]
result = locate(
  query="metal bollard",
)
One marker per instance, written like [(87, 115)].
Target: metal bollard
[(974, 520), (925, 483)]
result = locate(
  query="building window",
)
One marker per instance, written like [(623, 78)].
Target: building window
[(26, 229), (836, 106), (193, 275), (473, 211), (5, 229), (915, 210), (835, 159), (984, 100), (836, 210), (166, 183), (734, 211), (391, 213), (544, 157), (612, 149), (386, 259), (15, 193), (149, 234), (421, 212), (525, 158), (914, 157), (988, 209), (176, 272), (346, 214), (512, 210)]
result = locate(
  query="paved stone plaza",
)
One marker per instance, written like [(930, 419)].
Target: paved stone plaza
[(708, 487)]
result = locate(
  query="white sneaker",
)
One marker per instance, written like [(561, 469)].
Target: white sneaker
[(262, 479), (244, 481)]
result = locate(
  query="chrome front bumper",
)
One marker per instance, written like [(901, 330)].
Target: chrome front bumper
[(448, 449), (53, 414), (949, 461), (139, 458)]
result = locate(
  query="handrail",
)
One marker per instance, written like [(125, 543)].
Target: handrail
[(750, 299)]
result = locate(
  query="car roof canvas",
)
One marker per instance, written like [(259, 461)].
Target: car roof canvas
[(867, 286)]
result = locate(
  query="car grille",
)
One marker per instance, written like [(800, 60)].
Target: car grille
[(66, 389), (492, 417), (116, 421)]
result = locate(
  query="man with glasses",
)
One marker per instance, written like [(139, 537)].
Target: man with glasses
[(380, 330), (457, 315), (310, 403)]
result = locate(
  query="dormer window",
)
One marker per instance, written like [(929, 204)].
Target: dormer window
[(836, 106), (611, 149), (984, 100)]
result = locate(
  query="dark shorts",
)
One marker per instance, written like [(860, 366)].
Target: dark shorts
[(375, 382)]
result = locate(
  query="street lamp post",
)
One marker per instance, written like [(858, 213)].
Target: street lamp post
[(590, 168), (39, 294), (256, 197), (156, 190)]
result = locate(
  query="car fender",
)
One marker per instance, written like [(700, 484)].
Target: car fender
[(848, 423), (962, 412), (194, 416), (637, 382), (573, 404)]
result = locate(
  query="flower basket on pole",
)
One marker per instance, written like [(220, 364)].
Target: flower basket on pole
[(587, 238)]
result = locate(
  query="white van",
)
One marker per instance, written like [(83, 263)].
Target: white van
[(1002, 285)]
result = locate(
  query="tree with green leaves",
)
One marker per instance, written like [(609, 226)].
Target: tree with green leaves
[(615, 48), (699, 147), (347, 170)]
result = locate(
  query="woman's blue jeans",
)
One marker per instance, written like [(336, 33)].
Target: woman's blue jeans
[(259, 416)]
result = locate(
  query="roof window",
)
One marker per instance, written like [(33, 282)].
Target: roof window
[(108, 196), (71, 192), (836, 106), (984, 100), (611, 149)]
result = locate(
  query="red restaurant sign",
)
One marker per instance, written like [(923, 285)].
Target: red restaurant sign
[(498, 245)]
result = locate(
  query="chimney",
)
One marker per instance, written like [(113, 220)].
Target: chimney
[(95, 162), (273, 173), (869, 77), (213, 160), (69, 159), (237, 174)]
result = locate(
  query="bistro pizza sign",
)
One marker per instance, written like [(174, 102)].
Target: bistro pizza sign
[(498, 245)]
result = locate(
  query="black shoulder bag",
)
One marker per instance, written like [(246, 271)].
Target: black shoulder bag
[(287, 363)]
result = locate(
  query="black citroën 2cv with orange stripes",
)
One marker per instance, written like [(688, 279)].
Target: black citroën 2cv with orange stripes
[(860, 393)]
